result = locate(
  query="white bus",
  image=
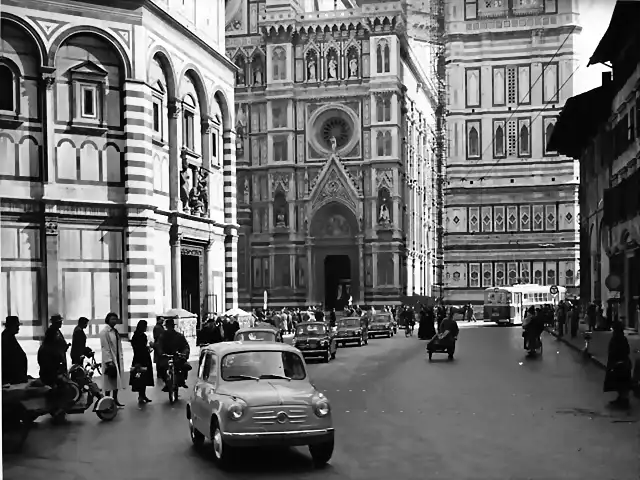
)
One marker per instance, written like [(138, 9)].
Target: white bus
[(508, 305)]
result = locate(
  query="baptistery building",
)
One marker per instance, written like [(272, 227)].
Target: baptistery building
[(117, 161), (334, 120)]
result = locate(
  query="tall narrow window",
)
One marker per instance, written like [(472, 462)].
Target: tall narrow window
[(499, 143), (387, 58), (380, 108), (524, 138), (473, 87), (550, 83), (88, 99), (473, 139), (498, 86), (512, 138), (511, 86), (8, 89), (380, 144), (470, 9), (188, 129), (156, 117), (524, 84), (379, 57), (387, 109), (548, 123), (388, 144)]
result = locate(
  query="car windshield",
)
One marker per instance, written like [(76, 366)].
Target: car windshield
[(349, 322), (256, 336), (380, 319), (311, 329), (258, 365)]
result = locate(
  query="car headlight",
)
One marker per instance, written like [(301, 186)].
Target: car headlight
[(358, 332), (321, 406), (324, 343), (236, 410)]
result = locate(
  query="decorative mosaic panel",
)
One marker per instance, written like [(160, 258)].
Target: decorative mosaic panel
[(525, 218), (487, 275), (538, 273), (550, 217), (512, 219), (474, 219), (512, 273), (498, 219), (474, 274), (487, 219), (500, 274), (551, 273), (538, 218)]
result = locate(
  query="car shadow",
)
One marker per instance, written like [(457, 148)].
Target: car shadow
[(264, 461)]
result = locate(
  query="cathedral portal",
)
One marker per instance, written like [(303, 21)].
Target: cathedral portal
[(336, 269)]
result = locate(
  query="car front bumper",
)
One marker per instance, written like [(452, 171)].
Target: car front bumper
[(289, 439), (313, 352), (349, 338), (386, 331)]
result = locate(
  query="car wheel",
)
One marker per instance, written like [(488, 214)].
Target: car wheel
[(321, 453), (197, 438), (221, 451)]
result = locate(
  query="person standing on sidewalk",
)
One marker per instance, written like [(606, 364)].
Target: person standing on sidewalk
[(574, 314), (158, 330), (14, 360), (57, 338), (618, 376), (112, 357), (79, 341), (141, 375)]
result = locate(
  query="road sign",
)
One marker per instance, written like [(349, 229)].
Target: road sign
[(496, 290), (553, 290), (265, 300)]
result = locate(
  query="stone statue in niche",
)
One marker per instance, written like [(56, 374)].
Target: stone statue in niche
[(333, 67), (195, 204), (311, 68), (247, 192), (241, 124), (383, 217), (337, 226), (203, 190), (257, 75), (334, 144), (306, 182), (184, 187), (281, 219), (353, 67), (306, 224)]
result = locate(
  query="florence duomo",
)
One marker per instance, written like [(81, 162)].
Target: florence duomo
[(336, 158)]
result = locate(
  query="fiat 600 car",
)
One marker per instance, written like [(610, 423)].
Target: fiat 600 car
[(315, 339), (352, 330), (258, 334), (253, 394), (381, 324)]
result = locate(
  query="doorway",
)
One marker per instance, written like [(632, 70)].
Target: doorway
[(190, 275), (337, 281)]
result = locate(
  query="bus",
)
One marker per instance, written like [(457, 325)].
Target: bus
[(508, 305)]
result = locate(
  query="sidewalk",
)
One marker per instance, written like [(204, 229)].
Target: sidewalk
[(599, 344)]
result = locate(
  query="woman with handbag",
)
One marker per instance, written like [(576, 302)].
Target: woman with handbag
[(141, 375), (618, 376), (112, 357)]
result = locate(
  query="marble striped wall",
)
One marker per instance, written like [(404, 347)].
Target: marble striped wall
[(231, 239)]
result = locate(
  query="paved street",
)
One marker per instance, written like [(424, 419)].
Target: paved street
[(490, 414)]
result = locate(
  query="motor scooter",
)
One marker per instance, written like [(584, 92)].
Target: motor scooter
[(75, 394)]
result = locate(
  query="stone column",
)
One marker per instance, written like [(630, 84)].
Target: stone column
[(309, 250), (176, 267), (139, 231), (231, 229), (53, 277), (48, 108), (175, 160), (360, 300)]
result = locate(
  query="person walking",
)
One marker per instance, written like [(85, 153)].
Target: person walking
[(618, 375), (57, 338), (14, 360), (112, 357), (79, 342), (574, 314), (141, 375)]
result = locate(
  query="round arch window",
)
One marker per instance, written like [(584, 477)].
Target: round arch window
[(336, 127), (336, 123)]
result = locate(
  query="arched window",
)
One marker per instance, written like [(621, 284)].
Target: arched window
[(279, 60), (280, 210), (547, 136), (380, 144), (499, 141), (379, 59), (380, 109), (524, 140), (188, 122), (387, 58), (8, 89), (387, 109), (474, 148)]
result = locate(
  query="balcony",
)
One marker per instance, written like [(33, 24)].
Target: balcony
[(622, 202)]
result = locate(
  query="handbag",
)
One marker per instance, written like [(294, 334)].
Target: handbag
[(110, 370)]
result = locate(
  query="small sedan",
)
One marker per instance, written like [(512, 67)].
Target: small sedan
[(315, 339), (254, 394), (258, 334), (352, 330), (381, 325)]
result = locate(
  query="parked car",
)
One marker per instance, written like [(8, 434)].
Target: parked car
[(381, 325), (258, 334), (352, 330), (258, 394), (315, 339)]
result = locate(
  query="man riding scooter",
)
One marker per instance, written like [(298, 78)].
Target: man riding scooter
[(173, 342), (532, 326)]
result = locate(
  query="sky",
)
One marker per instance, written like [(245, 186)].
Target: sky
[(594, 19)]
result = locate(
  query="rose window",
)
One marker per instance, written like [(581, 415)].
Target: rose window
[(336, 127)]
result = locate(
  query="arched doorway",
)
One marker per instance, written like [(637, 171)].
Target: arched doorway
[(335, 256)]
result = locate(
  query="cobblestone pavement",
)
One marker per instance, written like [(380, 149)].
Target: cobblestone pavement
[(490, 414)]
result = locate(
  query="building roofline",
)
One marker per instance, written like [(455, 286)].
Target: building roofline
[(625, 18)]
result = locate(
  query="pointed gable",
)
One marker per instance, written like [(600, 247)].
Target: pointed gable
[(88, 68), (334, 183)]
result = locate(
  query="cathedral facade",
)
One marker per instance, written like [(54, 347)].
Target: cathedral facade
[(512, 210), (334, 118)]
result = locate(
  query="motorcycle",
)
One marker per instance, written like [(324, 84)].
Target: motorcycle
[(75, 394), (532, 344)]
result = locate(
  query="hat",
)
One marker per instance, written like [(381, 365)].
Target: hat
[(12, 321), (57, 318), (170, 322)]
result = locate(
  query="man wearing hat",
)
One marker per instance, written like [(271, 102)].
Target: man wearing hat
[(61, 345), (173, 342), (14, 360)]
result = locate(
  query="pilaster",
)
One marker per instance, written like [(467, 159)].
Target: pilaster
[(54, 295), (175, 239)]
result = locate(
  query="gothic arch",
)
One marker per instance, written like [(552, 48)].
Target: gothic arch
[(227, 118), (164, 59), (84, 29), (331, 208), (21, 23)]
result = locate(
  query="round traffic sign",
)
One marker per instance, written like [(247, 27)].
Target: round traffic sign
[(496, 289), (553, 290)]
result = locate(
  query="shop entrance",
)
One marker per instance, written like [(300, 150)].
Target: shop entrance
[(190, 280), (337, 281)]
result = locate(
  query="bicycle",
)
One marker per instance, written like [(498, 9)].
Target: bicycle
[(172, 379), (408, 330)]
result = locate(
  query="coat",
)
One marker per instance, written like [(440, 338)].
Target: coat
[(618, 376), (112, 352), (78, 345), (141, 358), (158, 330), (14, 360)]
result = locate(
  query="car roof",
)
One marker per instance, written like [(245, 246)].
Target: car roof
[(257, 329), (224, 348), (311, 323)]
